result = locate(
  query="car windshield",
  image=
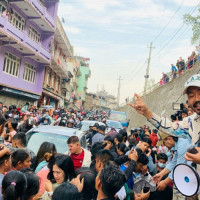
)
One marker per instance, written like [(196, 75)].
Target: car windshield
[(85, 126), (35, 139), (114, 124)]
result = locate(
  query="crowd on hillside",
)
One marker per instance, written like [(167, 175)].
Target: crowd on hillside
[(180, 67)]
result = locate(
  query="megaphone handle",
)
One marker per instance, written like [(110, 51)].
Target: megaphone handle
[(194, 165)]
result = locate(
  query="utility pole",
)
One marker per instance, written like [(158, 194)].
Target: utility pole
[(147, 70), (118, 94), (98, 95)]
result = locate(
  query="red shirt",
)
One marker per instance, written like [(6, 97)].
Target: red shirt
[(77, 159), (154, 139)]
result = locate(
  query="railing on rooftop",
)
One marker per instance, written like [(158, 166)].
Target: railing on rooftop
[(158, 85)]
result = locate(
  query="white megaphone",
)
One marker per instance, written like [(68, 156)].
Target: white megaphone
[(186, 180)]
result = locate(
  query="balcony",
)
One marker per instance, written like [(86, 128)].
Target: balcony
[(75, 84), (50, 19), (66, 86), (11, 36), (61, 38), (66, 96), (59, 64), (36, 12)]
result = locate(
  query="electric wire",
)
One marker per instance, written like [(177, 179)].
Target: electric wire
[(175, 33), (163, 29)]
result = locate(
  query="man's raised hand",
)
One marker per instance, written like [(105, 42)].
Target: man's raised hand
[(141, 107), (133, 155)]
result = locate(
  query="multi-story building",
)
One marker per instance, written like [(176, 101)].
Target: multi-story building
[(26, 34), (91, 101), (105, 100), (82, 80), (100, 100), (69, 86), (58, 72)]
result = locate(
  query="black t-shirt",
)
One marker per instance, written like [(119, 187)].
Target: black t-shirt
[(166, 194)]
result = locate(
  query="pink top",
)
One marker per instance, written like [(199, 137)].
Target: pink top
[(11, 134), (42, 174)]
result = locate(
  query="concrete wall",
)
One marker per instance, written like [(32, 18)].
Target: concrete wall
[(160, 100)]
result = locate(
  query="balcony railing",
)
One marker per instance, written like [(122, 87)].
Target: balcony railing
[(23, 37), (67, 86), (43, 11), (59, 59), (50, 19), (64, 36), (39, 7)]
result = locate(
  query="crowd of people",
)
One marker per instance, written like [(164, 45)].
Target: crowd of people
[(116, 165), (180, 67), (99, 173)]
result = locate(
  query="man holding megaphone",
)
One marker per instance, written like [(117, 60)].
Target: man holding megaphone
[(190, 126), (179, 147)]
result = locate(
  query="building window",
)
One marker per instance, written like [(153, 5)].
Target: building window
[(11, 64), (17, 20), (29, 73), (34, 35), (52, 81), (57, 84), (3, 5), (48, 77)]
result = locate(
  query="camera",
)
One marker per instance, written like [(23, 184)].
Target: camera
[(177, 106), (178, 115)]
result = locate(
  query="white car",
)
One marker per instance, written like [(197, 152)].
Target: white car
[(85, 125), (54, 134), (113, 124)]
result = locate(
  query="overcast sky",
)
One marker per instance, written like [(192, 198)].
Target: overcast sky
[(115, 34)]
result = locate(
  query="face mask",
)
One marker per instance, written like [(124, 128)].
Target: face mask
[(161, 165), (137, 174)]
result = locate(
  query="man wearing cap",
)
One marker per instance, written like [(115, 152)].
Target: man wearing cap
[(179, 147), (70, 123), (190, 126), (99, 137), (93, 130)]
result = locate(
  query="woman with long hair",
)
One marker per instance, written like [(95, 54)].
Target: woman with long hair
[(61, 170), (13, 185), (46, 147)]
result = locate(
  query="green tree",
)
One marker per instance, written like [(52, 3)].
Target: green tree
[(194, 21)]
